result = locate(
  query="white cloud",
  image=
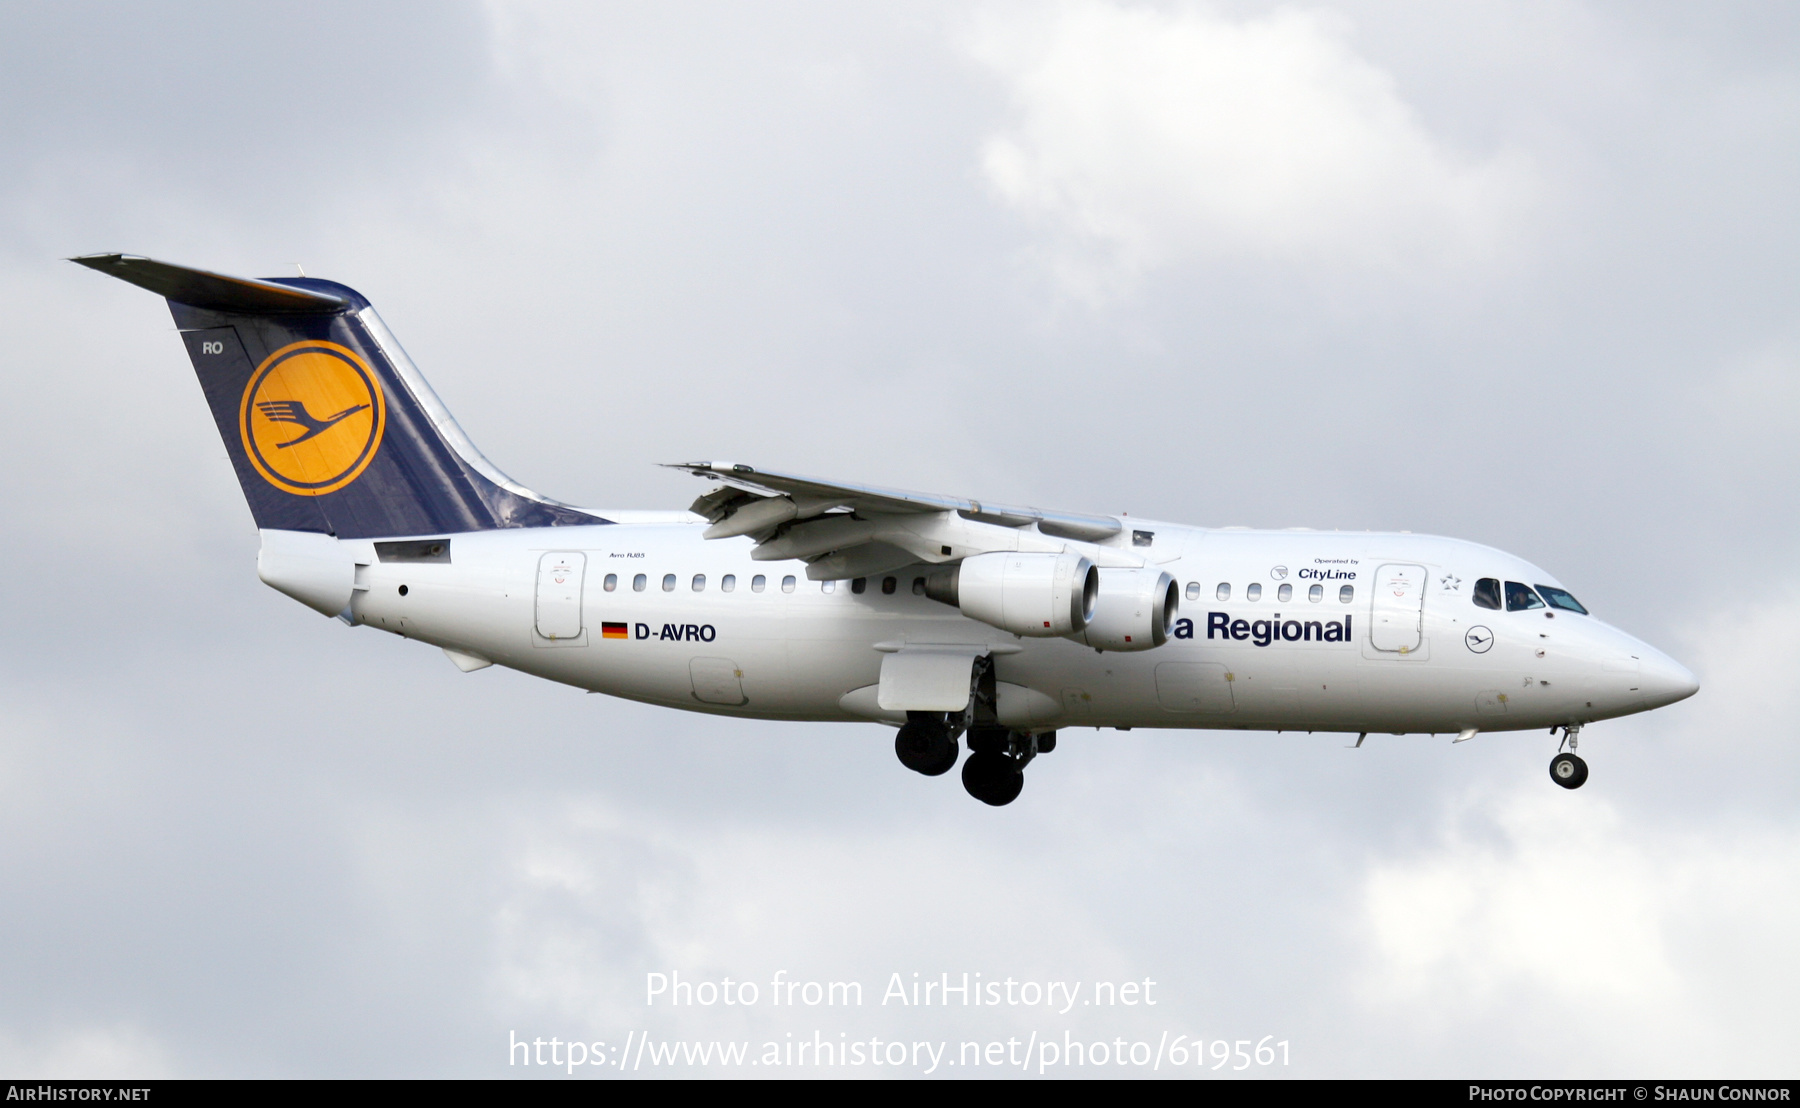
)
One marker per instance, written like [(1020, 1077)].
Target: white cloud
[(1630, 946), (1142, 135), (1521, 906)]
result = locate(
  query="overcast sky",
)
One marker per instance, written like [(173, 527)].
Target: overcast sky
[(1522, 272)]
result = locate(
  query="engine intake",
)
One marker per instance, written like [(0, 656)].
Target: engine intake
[(1040, 595), (1135, 610)]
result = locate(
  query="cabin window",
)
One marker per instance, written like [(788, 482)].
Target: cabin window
[(612, 582), (728, 582), (1346, 594), (787, 583), (638, 583), (699, 582), (1285, 593), (1193, 590), (1520, 598), (1253, 591), (918, 586), (859, 585), (758, 583), (668, 582), (1561, 598), (1316, 593), (827, 586), (1487, 593), (888, 585), (1223, 592), (1143, 538)]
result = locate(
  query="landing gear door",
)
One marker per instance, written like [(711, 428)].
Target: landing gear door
[(1397, 608), (559, 579), (928, 679)]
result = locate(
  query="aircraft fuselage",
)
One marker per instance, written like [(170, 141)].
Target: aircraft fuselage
[(813, 650)]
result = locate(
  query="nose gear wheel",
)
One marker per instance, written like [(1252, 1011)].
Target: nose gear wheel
[(1568, 770)]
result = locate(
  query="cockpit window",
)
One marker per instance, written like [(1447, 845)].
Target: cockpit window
[(1560, 598), (1487, 593), (1520, 598)]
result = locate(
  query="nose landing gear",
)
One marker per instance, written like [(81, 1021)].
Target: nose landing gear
[(1568, 769)]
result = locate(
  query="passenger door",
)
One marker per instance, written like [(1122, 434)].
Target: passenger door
[(559, 580), (1397, 608)]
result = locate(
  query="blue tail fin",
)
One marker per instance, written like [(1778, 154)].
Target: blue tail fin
[(329, 424)]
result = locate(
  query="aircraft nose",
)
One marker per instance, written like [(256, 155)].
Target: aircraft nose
[(1664, 680)]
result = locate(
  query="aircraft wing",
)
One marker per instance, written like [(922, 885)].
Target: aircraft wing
[(844, 530)]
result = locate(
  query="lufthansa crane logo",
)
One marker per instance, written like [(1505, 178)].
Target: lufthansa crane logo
[(312, 418)]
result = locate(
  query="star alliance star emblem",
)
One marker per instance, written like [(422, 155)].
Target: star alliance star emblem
[(1450, 582)]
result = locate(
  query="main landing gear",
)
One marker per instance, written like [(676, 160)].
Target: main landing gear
[(926, 744), (994, 772), (1568, 769)]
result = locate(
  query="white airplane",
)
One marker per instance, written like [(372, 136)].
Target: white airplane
[(784, 597)]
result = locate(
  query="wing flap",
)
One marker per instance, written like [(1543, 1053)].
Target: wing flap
[(860, 498), (868, 560), (845, 530), (813, 495)]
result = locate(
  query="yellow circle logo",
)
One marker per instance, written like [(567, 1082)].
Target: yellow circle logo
[(312, 418)]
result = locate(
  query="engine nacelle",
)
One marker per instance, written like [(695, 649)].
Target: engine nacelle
[(1135, 610), (1041, 595)]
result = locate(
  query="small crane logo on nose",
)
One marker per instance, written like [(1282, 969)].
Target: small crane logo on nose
[(1479, 639)]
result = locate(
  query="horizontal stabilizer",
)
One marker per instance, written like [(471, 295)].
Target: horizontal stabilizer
[(199, 289)]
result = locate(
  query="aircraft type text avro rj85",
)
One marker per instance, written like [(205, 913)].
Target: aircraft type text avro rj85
[(783, 597)]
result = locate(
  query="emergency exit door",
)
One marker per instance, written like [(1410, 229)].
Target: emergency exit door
[(559, 594), (1397, 608)]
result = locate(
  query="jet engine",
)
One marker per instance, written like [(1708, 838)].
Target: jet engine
[(1041, 595), (1134, 611)]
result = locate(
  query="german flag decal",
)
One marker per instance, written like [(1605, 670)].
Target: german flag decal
[(615, 631)]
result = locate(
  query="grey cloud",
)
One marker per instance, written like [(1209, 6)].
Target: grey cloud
[(247, 113), (243, 839)]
